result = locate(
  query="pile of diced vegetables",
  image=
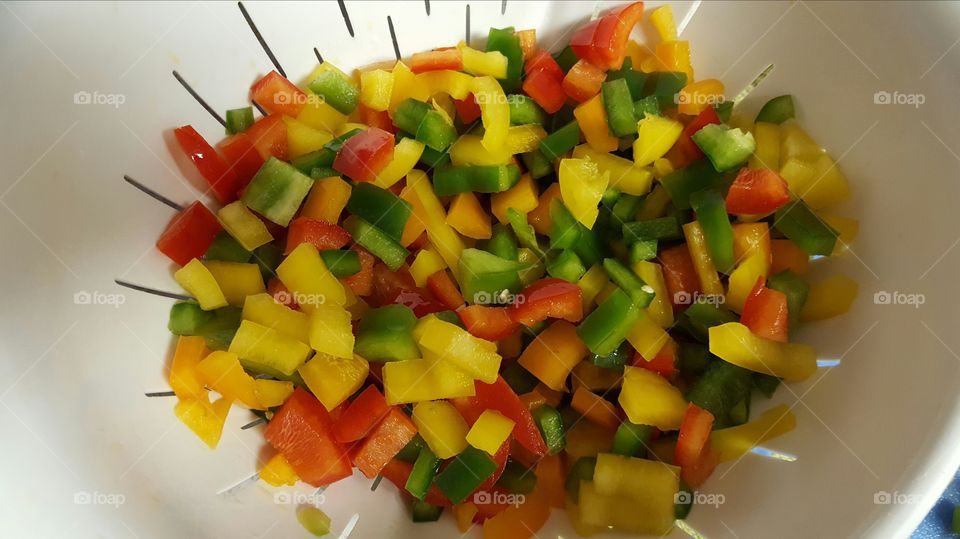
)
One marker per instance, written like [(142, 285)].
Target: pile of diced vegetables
[(483, 273)]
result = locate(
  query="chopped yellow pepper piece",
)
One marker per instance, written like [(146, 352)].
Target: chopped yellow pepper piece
[(489, 431), (406, 154), (268, 349), (327, 199), (417, 223), (277, 472), (494, 111), (243, 225), (522, 197), (264, 310), (735, 343), (196, 279), (221, 371), (452, 83), (470, 150), (416, 380), (449, 342), (331, 331), (830, 297), (464, 513), (647, 336), (442, 427), (553, 354), (524, 138), (848, 230), (406, 86), (733, 442), (581, 187), (660, 309), (675, 56), (592, 117), (655, 135), (203, 418), (662, 20), (587, 439), (696, 96), (303, 139), (630, 494), (468, 217), (426, 263), (586, 374), (307, 277), (375, 89), (318, 114), (493, 63), (743, 279), (183, 375), (649, 399), (624, 175), (272, 393), (654, 205), (702, 263), (333, 379), (442, 236), (592, 282), (767, 152), (236, 280)]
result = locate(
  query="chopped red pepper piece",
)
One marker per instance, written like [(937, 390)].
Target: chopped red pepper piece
[(269, 136), (441, 285), (189, 234), (222, 179), (543, 61), (548, 298), (498, 396), (362, 282), (377, 118), (664, 363), (281, 294), (384, 442), (320, 234), (361, 416), (765, 313), (467, 109), (679, 275), (242, 157), (603, 42), (692, 452), (397, 472), (583, 81), (364, 155), (278, 95), (485, 322), (546, 90), (302, 432), (419, 302), (757, 192), (685, 145), (500, 458), (436, 60)]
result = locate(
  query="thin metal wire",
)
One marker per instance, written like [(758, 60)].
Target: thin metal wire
[(467, 38), (160, 394), (393, 37), (503, 7), (427, 5), (263, 43), (199, 99), (253, 423), (319, 56), (154, 291), (346, 17), (153, 194), (258, 107)]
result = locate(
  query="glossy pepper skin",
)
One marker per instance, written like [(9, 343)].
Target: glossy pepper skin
[(603, 42), (498, 396), (548, 298), (189, 234), (222, 179), (363, 156)]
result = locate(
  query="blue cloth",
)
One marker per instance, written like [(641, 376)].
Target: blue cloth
[(938, 522)]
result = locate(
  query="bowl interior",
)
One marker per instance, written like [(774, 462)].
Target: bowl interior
[(876, 439)]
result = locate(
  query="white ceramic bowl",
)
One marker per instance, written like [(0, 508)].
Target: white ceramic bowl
[(85, 454)]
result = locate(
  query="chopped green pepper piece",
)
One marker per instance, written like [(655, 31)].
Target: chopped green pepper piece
[(225, 248), (411, 451), (619, 106), (386, 334), (341, 263), (465, 473), (765, 383), (631, 440), (486, 276), (268, 256), (796, 290), (451, 180), (777, 110), (186, 318), (582, 470), (724, 110), (426, 123), (647, 105), (524, 231), (721, 387), (565, 229), (693, 357), (702, 316), (711, 212), (376, 205), (589, 247), (634, 78), (665, 85), (566, 266), (566, 58), (502, 243), (740, 413), (661, 228), (551, 427), (626, 206), (424, 470), (421, 511), (517, 478), (696, 176), (377, 242), (683, 502), (643, 250), (276, 191), (519, 379), (537, 164), (606, 327), (450, 317), (727, 148), (507, 43), (239, 120), (615, 360), (336, 90), (798, 222), (324, 157), (524, 110), (534, 268), (219, 330), (640, 292), (560, 141)]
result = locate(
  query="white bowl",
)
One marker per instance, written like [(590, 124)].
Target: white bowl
[(87, 455)]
